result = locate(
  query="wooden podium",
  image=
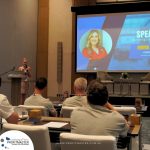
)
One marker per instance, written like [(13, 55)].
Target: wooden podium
[(15, 78)]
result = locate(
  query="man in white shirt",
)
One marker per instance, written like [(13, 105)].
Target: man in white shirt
[(26, 70), (7, 111)]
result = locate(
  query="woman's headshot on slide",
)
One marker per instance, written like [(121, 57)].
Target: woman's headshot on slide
[(93, 49), (95, 45)]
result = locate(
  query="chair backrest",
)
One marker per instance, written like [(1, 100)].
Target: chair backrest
[(66, 111), (38, 134), (72, 141), (126, 110), (24, 108)]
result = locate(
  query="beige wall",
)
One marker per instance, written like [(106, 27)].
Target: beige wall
[(60, 29), (18, 38)]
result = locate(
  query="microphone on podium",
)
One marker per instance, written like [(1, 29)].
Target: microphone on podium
[(6, 73), (13, 68)]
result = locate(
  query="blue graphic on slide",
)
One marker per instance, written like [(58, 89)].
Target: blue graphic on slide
[(133, 46), (125, 39), (85, 25), (140, 51)]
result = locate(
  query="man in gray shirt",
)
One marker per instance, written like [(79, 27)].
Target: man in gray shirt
[(99, 118), (36, 99), (80, 85)]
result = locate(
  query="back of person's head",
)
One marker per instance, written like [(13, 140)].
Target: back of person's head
[(80, 84), (97, 93), (41, 83)]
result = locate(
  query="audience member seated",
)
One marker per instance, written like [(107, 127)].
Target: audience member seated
[(99, 118), (6, 111), (37, 99), (79, 100)]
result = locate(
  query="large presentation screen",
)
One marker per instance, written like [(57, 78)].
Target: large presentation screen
[(113, 42)]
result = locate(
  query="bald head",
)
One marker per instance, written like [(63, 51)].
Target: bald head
[(25, 62)]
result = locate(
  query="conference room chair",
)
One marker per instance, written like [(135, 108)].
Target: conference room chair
[(66, 111), (2, 121), (72, 141), (124, 110), (127, 111), (38, 134), (24, 109)]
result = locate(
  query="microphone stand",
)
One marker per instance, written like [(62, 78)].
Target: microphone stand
[(5, 73)]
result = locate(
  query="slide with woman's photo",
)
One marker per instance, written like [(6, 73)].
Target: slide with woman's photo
[(113, 42)]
